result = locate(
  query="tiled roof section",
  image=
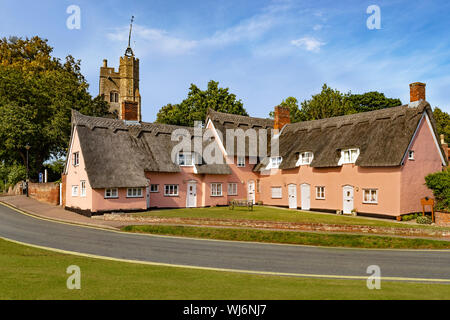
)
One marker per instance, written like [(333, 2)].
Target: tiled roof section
[(117, 154)]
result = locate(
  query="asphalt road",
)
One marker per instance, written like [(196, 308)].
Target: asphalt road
[(224, 254)]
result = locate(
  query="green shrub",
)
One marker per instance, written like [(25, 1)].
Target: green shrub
[(424, 220), (410, 217), (440, 184)]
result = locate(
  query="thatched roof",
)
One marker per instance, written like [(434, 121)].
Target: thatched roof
[(118, 153), (382, 136), (223, 121)]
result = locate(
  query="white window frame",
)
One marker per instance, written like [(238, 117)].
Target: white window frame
[(240, 162), (134, 193), (171, 190), (157, 188), (353, 155), (183, 156), (75, 190), (83, 188), (215, 190), (305, 158), (275, 162), (370, 196), (320, 192), (111, 193), (411, 154), (276, 195), (232, 189), (76, 158)]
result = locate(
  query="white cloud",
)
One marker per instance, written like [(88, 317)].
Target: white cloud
[(317, 27), (308, 43), (155, 40)]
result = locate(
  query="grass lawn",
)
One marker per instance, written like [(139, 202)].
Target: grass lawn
[(276, 214), (30, 273), (292, 237)]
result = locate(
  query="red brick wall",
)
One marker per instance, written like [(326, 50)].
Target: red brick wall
[(442, 219), (45, 192), (130, 111)]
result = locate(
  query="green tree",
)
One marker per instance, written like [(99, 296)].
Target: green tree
[(442, 123), (328, 103), (371, 101), (292, 104), (37, 93), (331, 103), (195, 106)]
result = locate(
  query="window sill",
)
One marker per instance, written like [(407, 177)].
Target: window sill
[(217, 196), (372, 203), (111, 197), (320, 199), (140, 197), (172, 196)]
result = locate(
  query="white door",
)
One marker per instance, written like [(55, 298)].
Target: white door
[(251, 191), (347, 199), (306, 196), (191, 198), (147, 193), (292, 192)]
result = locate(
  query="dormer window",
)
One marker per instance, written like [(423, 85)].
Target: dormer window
[(275, 162), (349, 156), (185, 159), (305, 158)]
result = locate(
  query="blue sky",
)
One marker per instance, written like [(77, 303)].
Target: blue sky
[(264, 51)]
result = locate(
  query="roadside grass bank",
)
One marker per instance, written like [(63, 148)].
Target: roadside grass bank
[(292, 237), (30, 273), (261, 213)]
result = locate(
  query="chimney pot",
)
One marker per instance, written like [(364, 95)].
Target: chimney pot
[(417, 91), (105, 63)]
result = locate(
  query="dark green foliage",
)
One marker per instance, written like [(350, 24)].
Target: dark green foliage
[(410, 217), (371, 101), (424, 220), (440, 184), (195, 106), (331, 103), (37, 93), (442, 123)]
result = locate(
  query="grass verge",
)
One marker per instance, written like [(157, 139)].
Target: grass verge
[(30, 273), (292, 237), (278, 215)]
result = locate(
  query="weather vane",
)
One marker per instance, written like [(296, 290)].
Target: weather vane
[(129, 51)]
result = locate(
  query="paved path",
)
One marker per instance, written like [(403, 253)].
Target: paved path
[(295, 260)]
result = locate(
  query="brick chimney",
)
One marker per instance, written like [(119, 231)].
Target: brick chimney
[(282, 117), (417, 91), (129, 111)]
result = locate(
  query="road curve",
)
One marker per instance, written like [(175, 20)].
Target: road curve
[(239, 256)]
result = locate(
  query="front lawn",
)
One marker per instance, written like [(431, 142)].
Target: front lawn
[(30, 273), (277, 215), (293, 237)]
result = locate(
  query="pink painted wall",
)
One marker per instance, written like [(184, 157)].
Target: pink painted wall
[(99, 203), (427, 160), (76, 174), (386, 180)]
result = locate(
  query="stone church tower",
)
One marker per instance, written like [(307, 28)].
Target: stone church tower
[(121, 89)]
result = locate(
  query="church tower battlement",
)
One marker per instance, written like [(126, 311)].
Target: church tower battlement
[(121, 88)]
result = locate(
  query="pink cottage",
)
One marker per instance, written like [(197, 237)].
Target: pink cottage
[(372, 163)]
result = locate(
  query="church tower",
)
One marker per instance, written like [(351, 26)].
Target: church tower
[(121, 89)]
